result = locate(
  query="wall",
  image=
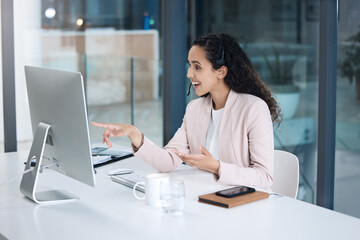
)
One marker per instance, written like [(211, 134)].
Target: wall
[(104, 58)]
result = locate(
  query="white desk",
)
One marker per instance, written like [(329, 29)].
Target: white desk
[(110, 211)]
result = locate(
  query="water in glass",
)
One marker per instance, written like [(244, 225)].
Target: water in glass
[(172, 195)]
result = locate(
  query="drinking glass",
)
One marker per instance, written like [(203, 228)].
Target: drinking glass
[(172, 196)]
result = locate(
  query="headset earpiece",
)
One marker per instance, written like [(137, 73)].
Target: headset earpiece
[(220, 61)]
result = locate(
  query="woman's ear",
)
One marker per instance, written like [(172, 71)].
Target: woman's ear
[(222, 72)]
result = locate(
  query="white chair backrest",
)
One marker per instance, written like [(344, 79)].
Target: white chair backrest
[(286, 173)]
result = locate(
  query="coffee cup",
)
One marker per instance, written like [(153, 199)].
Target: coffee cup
[(152, 188)]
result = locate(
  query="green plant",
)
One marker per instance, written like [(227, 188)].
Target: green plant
[(350, 66), (280, 71)]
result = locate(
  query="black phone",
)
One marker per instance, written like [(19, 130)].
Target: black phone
[(236, 191)]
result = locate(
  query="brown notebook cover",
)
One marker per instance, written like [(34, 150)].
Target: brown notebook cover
[(213, 199)]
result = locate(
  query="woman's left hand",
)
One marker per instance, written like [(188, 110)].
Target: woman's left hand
[(204, 161)]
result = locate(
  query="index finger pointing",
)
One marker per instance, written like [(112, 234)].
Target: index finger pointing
[(102, 125)]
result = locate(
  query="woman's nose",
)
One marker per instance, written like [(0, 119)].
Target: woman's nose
[(189, 73)]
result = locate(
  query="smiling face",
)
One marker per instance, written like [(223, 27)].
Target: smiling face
[(204, 78)]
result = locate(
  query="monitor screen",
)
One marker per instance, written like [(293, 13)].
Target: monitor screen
[(57, 101)]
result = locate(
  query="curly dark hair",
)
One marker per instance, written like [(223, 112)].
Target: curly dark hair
[(223, 50)]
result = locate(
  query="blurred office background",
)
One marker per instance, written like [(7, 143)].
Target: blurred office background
[(118, 46)]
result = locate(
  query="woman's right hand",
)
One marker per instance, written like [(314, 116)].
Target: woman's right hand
[(119, 130)]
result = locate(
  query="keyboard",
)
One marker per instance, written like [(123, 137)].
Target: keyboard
[(129, 180)]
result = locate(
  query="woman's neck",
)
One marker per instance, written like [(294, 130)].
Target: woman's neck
[(219, 98)]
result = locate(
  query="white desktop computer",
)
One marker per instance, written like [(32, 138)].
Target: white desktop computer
[(61, 132)]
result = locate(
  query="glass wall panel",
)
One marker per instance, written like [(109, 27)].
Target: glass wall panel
[(347, 155), (1, 98), (281, 40), (113, 45)]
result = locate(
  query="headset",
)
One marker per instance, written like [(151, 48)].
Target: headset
[(220, 61)]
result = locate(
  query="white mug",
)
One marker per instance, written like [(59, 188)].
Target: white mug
[(152, 188)]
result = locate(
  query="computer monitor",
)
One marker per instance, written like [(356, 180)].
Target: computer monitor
[(61, 132)]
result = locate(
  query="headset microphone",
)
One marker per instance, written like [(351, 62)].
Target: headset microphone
[(188, 92)]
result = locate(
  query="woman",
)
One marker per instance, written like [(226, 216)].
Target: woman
[(228, 131)]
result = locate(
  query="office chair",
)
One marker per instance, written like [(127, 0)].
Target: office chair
[(286, 173)]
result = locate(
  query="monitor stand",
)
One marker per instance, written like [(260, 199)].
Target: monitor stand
[(29, 179)]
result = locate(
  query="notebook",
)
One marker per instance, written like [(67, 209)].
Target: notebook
[(224, 202), (103, 155)]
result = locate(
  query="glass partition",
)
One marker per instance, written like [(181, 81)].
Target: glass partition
[(113, 45), (1, 99), (347, 155), (124, 90)]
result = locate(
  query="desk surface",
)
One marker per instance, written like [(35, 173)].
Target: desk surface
[(110, 211)]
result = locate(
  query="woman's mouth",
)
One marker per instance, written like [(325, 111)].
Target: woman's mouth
[(195, 84)]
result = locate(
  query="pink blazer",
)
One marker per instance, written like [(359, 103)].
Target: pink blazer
[(246, 144)]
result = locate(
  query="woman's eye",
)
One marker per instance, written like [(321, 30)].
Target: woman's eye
[(197, 67)]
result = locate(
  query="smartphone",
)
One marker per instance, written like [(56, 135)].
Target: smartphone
[(236, 191)]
